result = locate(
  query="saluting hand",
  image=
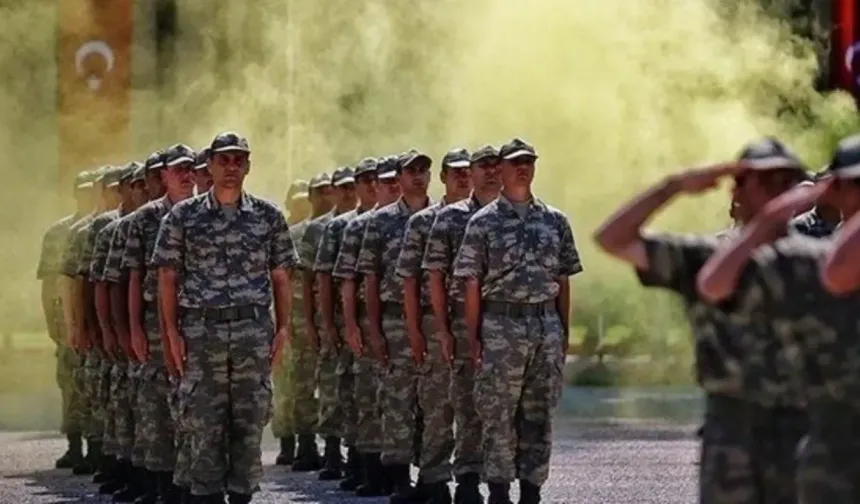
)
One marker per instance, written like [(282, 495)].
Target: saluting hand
[(783, 207), (698, 180)]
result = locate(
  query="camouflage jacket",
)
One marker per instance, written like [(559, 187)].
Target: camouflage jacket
[(350, 248), (54, 243), (330, 247), (75, 246), (114, 272), (101, 251), (140, 244), (414, 244), (309, 246), (297, 232), (95, 227)]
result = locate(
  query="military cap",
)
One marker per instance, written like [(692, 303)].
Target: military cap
[(178, 154), (770, 153), (485, 153), (413, 156), (321, 180), (155, 161), (138, 174), (387, 168), (128, 172), (201, 159), (366, 165), (100, 174), (298, 190), (343, 176), (517, 148), (456, 158), (845, 163), (84, 180), (229, 141), (112, 176)]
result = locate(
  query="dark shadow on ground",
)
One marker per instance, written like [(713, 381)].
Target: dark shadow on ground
[(62, 485)]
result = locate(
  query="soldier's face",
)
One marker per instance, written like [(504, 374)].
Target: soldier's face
[(518, 172), (415, 178), (138, 193), (84, 198), (299, 208), (112, 196), (387, 190), (458, 182), (365, 187), (203, 180), (179, 179), (345, 195), (485, 176), (229, 169), (154, 184)]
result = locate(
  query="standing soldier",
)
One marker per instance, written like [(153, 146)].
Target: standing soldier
[(154, 184), (437, 443), (388, 336), (448, 297), (332, 407), (202, 178), (223, 258), (157, 436), (298, 209), (366, 369), (304, 345), (517, 257), (54, 243)]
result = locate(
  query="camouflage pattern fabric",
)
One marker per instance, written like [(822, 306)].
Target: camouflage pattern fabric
[(140, 244), (227, 385), (101, 249), (122, 404), (350, 247), (415, 239), (182, 445), (812, 224), (158, 435), (74, 248), (89, 247), (54, 243), (518, 262), (330, 413), (93, 389), (113, 270), (110, 444), (366, 394), (73, 418), (283, 378), (139, 411)]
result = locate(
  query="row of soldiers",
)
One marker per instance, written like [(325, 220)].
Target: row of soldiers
[(773, 309), (425, 329)]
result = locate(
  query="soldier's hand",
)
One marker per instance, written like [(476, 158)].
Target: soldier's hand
[(313, 337), (177, 350), (702, 179), (329, 337), (353, 339), (476, 351), (446, 341), (110, 343), (419, 346), (139, 344), (380, 348), (277, 349)]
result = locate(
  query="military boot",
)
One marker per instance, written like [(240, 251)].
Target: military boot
[(355, 471), (500, 493), (104, 469), (167, 491), (374, 483), (74, 454), (133, 485), (404, 492), (331, 470), (288, 451), (468, 490), (113, 478), (436, 493), (308, 457), (237, 498), (148, 491), (88, 464), (529, 493)]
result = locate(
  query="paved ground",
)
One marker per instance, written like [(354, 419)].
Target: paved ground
[(592, 464)]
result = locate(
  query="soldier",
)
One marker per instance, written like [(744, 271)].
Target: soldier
[(841, 271), (437, 443), (202, 178), (366, 370), (305, 412), (157, 436), (823, 218), (516, 259), (380, 248), (224, 257), (48, 272), (448, 297), (298, 209), (748, 397), (154, 184)]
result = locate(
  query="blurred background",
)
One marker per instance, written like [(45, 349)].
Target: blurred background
[(612, 93)]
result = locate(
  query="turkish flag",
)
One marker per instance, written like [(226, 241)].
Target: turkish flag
[(845, 43), (93, 83)]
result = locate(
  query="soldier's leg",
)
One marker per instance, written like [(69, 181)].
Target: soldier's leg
[(282, 420), (369, 423), (67, 361), (181, 480), (94, 421), (784, 430), (250, 406), (827, 459), (437, 437), (305, 409), (204, 396), (123, 406), (468, 451), (141, 480), (330, 413), (398, 413), (498, 386), (107, 471), (354, 470)]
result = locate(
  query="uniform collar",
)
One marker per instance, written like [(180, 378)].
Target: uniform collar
[(404, 208), (211, 203), (507, 206)]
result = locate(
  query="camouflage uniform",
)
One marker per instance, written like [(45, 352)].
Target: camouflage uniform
[(443, 243), (518, 261), (434, 382), (380, 249), (223, 259), (812, 224), (295, 400)]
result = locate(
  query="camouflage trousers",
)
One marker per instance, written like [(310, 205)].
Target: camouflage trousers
[(156, 435), (181, 476), (829, 458), (93, 390), (434, 402), (123, 389), (283, 379), (468, 452), (110, 446), (400, 397), (225, 400), (305, 404), (330, 421), (73, 414), (516, 390), (345, 384)]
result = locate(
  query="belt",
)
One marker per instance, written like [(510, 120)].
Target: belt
[(519, 310), (396, 309), (229, 313)]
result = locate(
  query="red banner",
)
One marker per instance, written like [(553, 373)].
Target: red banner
[(845, 45), (93, 83)]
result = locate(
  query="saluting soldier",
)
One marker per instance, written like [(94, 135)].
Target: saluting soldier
[(448, 296), (823, 218), (223, 258)]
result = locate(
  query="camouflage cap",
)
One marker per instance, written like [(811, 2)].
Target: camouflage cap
[(112, 176), (178, 154), (84, 180), (138, 174), (770, 153), (517, 148), (229, 141), (456, 158), (845, 163), (154, 161), (298, 190), (343, 176), (100, 173), (321, 180), (387, 167), (201, 159), (413, 156), (485, 153), (128, 172), (366, 165)]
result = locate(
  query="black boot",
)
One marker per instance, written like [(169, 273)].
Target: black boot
[(468, 490), (404, 492), (237, 498), (529, 493), (374, 483), (288, 451), (436, 493), (185, 495), (148, 491), (113, 477), (356, 473), (331, 470), (74, 454), (167, 491), (500, 493), (133, 485), (308, 457), (88, 464)]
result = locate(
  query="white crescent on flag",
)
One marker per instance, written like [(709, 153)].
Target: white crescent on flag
[(101, 48)]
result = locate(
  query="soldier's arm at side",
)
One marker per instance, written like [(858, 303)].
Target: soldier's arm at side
[(169, 257), (470, 266), (437, 259), (840, 270), (368, 265), (282, 262), (307, 257), (134, 261), (570, 264), (48, 289), (409, 268), (322, 276), (344, 268)]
